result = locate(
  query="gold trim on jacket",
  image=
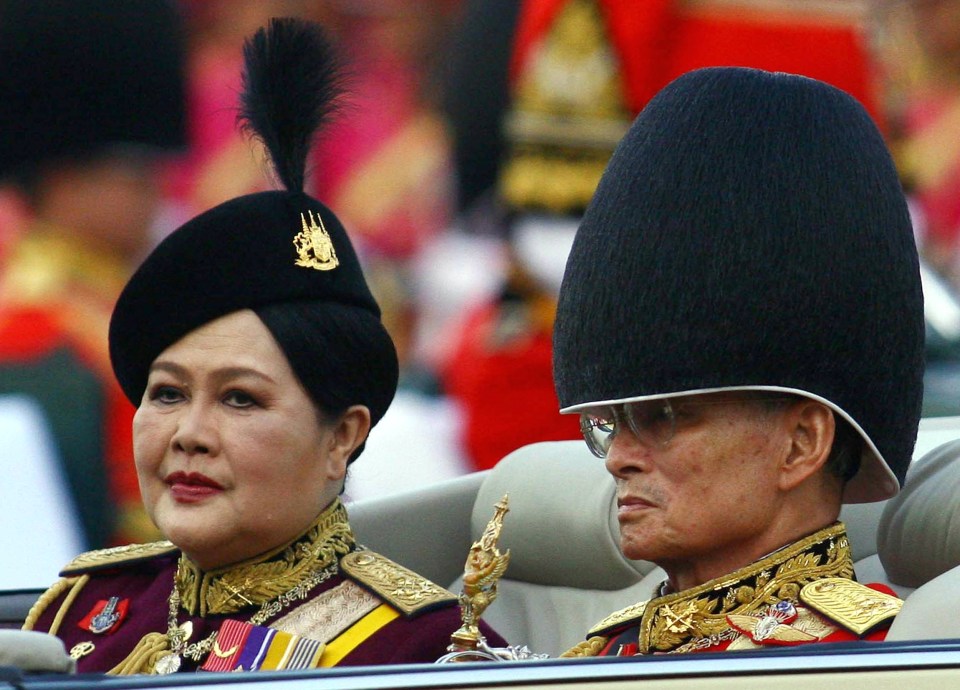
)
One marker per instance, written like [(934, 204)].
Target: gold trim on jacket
[(700, 613)]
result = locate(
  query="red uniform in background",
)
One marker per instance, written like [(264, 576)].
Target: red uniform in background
[(55, 303), (579, 72)]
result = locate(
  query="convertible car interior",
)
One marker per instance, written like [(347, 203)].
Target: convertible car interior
[(566, 571)]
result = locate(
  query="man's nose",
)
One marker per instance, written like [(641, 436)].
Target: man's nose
[(626, 455)]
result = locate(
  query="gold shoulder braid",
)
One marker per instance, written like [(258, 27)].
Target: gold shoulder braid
[(696, 617), (273, 581), (117, 555), (617, 618), (856, 607), (403, 589)]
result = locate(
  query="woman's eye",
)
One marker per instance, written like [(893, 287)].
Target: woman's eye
[(166, 395), (239, 399)]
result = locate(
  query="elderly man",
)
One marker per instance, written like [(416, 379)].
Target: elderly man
[(740, 327)]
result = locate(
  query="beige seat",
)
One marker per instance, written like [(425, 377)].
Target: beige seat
[(427, 530), (918, 540), (566, 571), (34, 652)]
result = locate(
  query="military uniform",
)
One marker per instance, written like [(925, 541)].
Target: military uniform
[(800, 594), (320, 600), (56, 297), (93, 90)]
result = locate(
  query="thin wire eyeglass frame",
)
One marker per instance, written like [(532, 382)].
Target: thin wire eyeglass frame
[(652, 422)]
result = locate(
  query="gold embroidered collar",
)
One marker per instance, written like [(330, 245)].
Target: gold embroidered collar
[(682, 618), (265, 577)]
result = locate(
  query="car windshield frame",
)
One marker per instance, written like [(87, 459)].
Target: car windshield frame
[(750, 669)]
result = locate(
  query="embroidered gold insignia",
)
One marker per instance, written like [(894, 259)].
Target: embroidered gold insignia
[(401, 588), (262, 579), (856, 607), (697, 617), (314, 246), (680, 619)]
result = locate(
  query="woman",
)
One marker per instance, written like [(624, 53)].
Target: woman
[(254, 351)]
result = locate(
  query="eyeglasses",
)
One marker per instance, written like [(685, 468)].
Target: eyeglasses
[(652, 422)]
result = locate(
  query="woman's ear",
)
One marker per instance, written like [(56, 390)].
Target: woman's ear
[(811, 428), (347, 433)]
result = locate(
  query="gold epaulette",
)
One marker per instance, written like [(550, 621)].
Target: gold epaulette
[(403, 589), (118, 555), (858, 608), (618, 618)]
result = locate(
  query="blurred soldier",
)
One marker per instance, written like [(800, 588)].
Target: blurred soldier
[(740, 328), (557, 86), (919, 50), (91, 93)]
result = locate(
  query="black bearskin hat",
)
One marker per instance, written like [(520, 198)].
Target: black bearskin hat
[(282, 254), (80, 75), (750, 232)]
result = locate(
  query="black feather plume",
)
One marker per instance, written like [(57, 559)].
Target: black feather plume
[(291, 80)]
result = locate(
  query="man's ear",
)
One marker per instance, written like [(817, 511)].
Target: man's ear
[(349, 431), (811, 429)]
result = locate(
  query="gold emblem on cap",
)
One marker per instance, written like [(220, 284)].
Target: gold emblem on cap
[(314, 247)]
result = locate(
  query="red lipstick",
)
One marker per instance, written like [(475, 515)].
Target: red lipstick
[(190, 487)]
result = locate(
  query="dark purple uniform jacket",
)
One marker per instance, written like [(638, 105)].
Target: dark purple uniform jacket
[(403, 617)]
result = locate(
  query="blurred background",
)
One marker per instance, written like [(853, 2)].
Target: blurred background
[(473, 136)]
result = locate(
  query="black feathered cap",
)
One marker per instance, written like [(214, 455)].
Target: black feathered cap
[(750, 232), (78, 75), (282, 254)]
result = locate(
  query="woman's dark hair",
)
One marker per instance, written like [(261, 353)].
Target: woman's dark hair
[(342, 355)]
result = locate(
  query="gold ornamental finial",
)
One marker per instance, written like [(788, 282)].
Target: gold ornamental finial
[(482, 572)]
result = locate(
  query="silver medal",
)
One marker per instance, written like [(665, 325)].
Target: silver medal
[(169, 663)]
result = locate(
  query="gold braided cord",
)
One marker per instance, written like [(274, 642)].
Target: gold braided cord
[(143, 657), (76, 585), (590, 647), (41, 604), (67, 602)]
